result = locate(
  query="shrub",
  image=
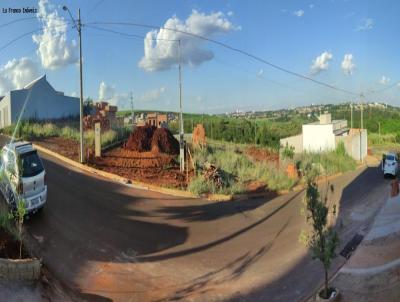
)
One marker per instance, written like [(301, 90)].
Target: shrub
[(199, 186)]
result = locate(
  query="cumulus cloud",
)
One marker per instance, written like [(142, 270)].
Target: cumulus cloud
[(54, 50), (366, 24), (347, 64), (298, 13), (321, 62), (108, 93), (384, 80), (162, 54), (152, 95), (16, 73)]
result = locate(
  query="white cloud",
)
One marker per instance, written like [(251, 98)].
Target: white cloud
[(152, 95), (366, 24), (162, 54), (260, 73), (384, 80), (321, 62), (106, 92), (74, 94), (17, 73), (54, 50), (298, 13), (311, 6), (230, 13), (347, 64)]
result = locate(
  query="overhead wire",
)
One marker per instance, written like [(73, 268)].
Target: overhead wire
[(243, 52)]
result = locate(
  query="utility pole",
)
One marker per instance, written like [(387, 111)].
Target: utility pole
[(132, 113), (181, 130), (78, 26), (362, 112), (351, 115)]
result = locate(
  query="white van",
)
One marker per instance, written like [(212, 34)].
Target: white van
[(390, 164), (23, 176)]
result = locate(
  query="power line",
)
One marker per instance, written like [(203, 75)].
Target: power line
[(26, 34), (235, 50)]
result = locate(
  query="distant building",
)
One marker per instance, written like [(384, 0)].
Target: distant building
[(159, 120), (326, 134), (42, 102)]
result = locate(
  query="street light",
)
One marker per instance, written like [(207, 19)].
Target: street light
[(78, 26)]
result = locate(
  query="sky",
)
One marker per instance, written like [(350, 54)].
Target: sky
[(352, 45)]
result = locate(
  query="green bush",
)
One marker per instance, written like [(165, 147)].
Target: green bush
[(199, 186)]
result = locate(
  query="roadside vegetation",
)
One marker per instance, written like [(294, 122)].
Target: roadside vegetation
[(238, 169), (36, 131)]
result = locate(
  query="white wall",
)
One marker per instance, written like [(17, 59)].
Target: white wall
[(42, 102), (5, 111), (294, 141), (317, 137)]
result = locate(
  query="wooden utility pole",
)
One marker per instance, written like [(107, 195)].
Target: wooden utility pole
[(181, 130)]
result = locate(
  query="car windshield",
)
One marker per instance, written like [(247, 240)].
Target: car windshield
[(31, 164), (390, 157)]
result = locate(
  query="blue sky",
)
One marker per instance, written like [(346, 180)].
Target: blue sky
[(308, 37)]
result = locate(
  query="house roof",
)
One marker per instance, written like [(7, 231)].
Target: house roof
[(31, 84)]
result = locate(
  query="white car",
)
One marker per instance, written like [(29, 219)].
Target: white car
[(390, 164), (23, 176)]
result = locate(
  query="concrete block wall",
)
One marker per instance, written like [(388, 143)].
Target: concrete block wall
[(20, 269)]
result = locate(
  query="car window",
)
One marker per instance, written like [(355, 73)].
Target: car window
[(31, 164)]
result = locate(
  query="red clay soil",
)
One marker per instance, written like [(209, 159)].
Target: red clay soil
[(149, 167), (140, 139), (259, 154), (63, 146), (164, 142), (9, 247)]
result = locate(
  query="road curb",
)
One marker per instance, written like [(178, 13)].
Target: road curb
[(114, 177)]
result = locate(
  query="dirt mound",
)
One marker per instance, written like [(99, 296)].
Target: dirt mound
[(261, 154), (140, 139), (199, 136), (164, 142)]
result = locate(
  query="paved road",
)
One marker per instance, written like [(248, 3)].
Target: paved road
[(107, 241)]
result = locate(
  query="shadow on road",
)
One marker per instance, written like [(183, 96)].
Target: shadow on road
[(214, 210), (306, 277)]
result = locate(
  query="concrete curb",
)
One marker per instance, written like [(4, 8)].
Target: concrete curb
[(20, 269), (114, 177)]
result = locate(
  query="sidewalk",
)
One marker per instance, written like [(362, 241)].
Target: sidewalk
[(373, 271)]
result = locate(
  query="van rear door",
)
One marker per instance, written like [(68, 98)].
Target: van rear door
[(32, 173)]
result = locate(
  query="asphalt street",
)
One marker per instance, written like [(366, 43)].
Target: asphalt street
[(110, 242)]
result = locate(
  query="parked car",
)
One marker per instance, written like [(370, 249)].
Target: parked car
[(390, 164), (23, 176)]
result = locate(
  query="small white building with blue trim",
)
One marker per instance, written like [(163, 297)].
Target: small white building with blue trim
[(37, 101)]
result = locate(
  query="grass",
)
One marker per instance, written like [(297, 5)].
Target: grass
[(237, 170), (31, 131), (329, 163)]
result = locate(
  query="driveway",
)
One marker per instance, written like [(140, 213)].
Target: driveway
[(111, 242)]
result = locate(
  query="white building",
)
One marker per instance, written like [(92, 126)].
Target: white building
[(39, 101), (325, 135)]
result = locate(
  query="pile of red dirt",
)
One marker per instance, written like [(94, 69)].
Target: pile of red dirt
[(199, 136), (164, 142), (140, 139), (261, 154)]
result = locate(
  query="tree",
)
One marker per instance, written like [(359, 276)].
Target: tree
[(19, 215), (322, 239), (87, 106)]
